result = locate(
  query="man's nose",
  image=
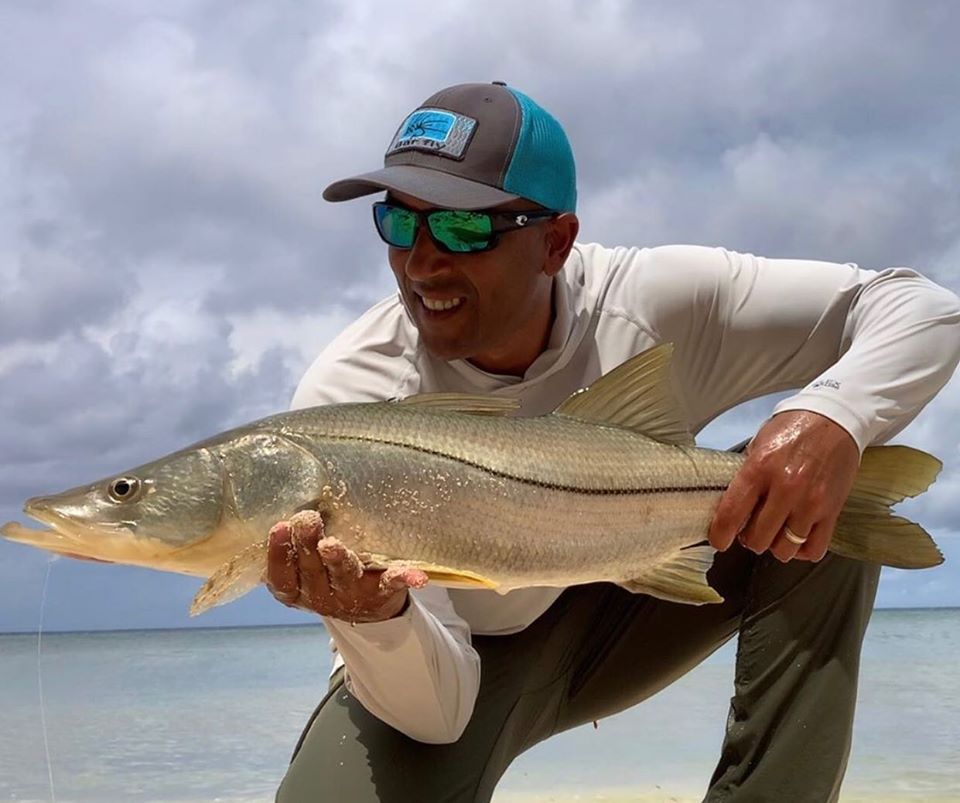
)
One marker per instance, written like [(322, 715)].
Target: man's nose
[(424, 259)]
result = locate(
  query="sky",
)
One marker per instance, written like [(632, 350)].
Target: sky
[(168, 267)]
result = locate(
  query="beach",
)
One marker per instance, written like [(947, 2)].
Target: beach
[(212, 715)]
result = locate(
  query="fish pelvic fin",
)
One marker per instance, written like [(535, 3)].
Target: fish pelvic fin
[(681, 578), (455, 578), (472, 404), (868, 530), (239, 575), (636, 395), (447, 576)]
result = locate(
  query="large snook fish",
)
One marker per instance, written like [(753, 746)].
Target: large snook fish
[(609, 487)]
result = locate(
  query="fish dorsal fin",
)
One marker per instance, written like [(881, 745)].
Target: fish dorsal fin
[(474, 404), (635, 395)]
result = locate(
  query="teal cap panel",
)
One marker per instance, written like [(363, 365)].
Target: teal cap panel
[(542, 168)]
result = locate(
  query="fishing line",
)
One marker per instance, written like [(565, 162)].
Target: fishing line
[(43, 708)]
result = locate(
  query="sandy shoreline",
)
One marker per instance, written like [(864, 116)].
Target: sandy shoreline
[(624, 795), (614, 795)]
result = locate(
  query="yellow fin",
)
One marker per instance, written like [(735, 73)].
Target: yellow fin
[(474, 404), (868, 530), (458, 579), (442, 575), (635, 395), (681, 578)]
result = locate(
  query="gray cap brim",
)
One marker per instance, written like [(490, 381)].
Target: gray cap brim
[(432, 186)]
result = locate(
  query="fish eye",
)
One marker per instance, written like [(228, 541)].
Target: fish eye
[(123, 489)]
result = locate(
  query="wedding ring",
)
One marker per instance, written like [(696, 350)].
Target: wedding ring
[(792, 537)]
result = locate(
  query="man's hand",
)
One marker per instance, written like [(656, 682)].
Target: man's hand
[(799, 470), (308, 571)]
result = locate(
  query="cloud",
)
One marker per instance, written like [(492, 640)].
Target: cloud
[(168, 268), (791, 198)]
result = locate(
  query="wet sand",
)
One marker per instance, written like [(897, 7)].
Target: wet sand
[(620, 795)]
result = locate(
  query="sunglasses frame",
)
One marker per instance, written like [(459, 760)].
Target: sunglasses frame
[(512, 221)]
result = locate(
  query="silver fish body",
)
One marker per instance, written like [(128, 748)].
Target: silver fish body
[(608, 488), (522, 502)]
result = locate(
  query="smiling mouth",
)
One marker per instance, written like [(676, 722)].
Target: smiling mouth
[(441, 304)]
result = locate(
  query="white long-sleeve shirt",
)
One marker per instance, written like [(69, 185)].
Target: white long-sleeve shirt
[(866, 349)]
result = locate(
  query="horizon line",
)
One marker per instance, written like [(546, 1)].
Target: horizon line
[(319, 623)]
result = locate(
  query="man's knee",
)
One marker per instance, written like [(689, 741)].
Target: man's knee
[(348, 754)]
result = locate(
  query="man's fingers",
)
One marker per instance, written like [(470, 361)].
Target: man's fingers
[(733, 513), (784, 547), (315, 585), (817, 542), (343, 566), (308, 570), (282, 578), (307, 526), (397, 578), (767, 522)]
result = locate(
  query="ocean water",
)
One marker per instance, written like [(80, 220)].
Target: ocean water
[(212, 715)]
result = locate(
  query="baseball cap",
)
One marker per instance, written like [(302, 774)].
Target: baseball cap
[(474, 146)]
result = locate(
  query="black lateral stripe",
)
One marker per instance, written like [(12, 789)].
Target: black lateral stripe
[(528, 481)]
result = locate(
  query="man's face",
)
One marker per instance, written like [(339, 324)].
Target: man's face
[(485, 306)]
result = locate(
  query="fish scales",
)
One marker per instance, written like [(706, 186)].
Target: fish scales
[(393, 490)]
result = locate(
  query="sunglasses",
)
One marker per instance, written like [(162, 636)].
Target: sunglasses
[(453, 231)]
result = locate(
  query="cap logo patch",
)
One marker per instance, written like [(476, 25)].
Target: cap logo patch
[(438, 131)]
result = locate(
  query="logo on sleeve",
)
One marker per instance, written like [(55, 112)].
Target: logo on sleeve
[(825, 383), (434, 131)]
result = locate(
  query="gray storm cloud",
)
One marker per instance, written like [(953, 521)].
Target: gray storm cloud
[(168, 268)]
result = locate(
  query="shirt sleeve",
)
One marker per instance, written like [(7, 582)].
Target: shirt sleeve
[(867, 349), (416, 672)]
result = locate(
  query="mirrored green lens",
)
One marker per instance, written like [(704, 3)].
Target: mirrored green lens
[(397, 226), (461, 231)]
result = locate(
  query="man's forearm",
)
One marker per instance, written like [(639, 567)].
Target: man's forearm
[(415, 672)]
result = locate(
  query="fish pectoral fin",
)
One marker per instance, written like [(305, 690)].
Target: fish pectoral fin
[(681, 578), (441, 575), (474, 404), (636, 395), (239, 575)]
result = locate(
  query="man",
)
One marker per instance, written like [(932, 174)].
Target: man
[(436, 691)]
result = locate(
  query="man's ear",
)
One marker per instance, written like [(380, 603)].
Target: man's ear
[(560, 236)]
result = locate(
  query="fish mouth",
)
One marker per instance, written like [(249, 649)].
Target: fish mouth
[(114, 542), (40, 508)]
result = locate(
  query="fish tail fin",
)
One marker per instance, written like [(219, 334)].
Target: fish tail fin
[(239, 575), (868, 530)]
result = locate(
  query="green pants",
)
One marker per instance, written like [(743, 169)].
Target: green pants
[(599, 650)]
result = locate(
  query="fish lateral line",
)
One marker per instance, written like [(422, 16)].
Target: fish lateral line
[(526, 480)]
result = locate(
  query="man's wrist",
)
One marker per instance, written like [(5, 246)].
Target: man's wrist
[(393, 608), (403, 606)]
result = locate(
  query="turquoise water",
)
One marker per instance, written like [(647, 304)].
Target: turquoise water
[(206, 715)]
